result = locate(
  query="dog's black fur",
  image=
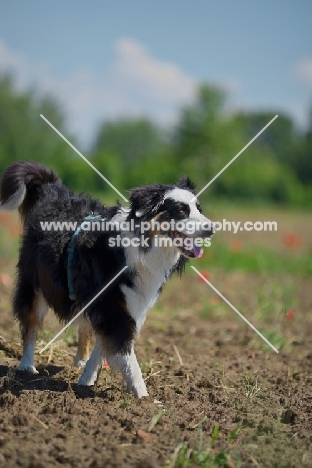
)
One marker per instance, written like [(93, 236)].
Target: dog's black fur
[(44, 268), (42, 264)]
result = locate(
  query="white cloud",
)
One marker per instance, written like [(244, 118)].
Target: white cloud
[(303, 72), (157, 79), (136, 83), (9, 58)]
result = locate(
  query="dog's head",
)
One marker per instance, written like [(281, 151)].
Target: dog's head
[(172, 211)]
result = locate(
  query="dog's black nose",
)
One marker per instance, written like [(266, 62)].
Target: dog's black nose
[(208, 229)]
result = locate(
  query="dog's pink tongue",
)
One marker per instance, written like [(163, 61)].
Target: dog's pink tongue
[(197, 251)]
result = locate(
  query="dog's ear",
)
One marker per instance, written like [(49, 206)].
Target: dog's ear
[(186, 184), (146, 200)]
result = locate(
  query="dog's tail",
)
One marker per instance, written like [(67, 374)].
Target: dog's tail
[(21, 184)]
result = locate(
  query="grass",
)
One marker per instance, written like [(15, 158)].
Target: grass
[(154, 420), (251, 385), (126, 403), (281, 295), (9, 381), (257, 260), (186, 456), (275, 337), (287, 249)]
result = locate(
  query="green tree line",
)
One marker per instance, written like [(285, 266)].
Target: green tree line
[(277, 167)]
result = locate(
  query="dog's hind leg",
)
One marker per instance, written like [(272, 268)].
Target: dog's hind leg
[(30, 309), (131, 372), (84, 338)]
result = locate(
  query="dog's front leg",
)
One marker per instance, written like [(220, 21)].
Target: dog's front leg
[(131, 372), (93, 364), (84, 338)]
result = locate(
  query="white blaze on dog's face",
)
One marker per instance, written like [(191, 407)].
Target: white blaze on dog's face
[(184, 208), (185, 196)]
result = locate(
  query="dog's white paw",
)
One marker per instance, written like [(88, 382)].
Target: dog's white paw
[(87, 380), (138, 388), (80, 363), (139, 391), (27, 368)]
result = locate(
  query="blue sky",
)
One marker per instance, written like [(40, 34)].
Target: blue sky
[(104, 59)]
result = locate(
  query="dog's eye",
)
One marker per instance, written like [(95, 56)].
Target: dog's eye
[(184, 208)]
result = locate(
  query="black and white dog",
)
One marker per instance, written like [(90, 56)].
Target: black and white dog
[(43, 270)]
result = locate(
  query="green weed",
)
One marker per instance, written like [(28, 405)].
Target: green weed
[(273, 336), (126, 403), (185, 456)]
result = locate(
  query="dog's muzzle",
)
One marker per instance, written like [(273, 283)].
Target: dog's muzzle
[(190, 239)]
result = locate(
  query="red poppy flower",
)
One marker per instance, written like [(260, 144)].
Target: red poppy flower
[(291, 240), (205, 274), (5, 280), (235, 245), (290, 314)]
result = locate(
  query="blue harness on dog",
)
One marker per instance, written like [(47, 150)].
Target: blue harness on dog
[(70, 251)]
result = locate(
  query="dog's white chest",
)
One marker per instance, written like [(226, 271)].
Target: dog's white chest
[(152, 272)]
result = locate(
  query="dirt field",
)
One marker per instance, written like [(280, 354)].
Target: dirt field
[(218, 395)]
